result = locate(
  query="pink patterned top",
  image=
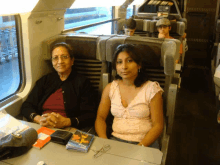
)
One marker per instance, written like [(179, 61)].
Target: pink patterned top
[(132, 123)]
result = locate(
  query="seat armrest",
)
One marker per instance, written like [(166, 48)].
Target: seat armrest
[(164, 144), (178, 67), (177, 79), (105, 80), (217, 76), (171, 102)]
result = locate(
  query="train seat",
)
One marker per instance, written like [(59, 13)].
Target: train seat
[(177, 31), (89, 61), (160, 66)]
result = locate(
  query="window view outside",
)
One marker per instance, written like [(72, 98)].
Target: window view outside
[(85, 16), (129, 11), (9, 62)]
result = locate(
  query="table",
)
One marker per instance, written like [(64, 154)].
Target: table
[(119, 154)]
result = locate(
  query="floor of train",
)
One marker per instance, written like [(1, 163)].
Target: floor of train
[(196, 134)]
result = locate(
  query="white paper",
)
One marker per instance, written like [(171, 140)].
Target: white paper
[(9, 124)]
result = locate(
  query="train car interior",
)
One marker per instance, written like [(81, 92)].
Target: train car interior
[(94, 29)]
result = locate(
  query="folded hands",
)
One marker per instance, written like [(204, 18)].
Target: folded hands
[(54, 120)]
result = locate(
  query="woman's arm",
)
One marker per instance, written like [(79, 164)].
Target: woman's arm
[(156, 107), (30, 105), (103, 110)]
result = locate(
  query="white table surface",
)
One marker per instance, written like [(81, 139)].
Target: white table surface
[(119, 154)]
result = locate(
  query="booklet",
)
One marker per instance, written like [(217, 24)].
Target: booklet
[(9, 124), (43, 137), (80, 141)]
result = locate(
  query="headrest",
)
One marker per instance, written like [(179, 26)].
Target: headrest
[(101, 47), (149, 49), (84, 46), (146, 25), (139, 24), (151, 52), (48, 43), (157, 52), (112, 44)]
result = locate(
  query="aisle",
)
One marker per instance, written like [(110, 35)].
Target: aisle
[(195, 139)]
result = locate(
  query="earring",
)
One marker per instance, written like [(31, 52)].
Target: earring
[(139, 70)]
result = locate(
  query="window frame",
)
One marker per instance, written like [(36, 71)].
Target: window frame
[(13, 96), (93, 24)]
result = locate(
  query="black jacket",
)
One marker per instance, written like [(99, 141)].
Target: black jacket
[(78, 96)]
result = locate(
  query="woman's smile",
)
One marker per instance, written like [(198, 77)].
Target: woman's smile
[(62, 62)]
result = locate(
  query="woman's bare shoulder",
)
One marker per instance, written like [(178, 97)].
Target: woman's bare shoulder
[(107, 88)]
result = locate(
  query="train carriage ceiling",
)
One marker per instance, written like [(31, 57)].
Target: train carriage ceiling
[(17, 6), (96, 3), (10, 7), (48, 5)]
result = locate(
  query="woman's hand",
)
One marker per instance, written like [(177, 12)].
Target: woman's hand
[(43, 121), (57, 120)]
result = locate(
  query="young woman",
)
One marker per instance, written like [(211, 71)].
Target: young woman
[(135, 102)]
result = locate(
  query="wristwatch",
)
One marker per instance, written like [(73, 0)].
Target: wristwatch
[(32, 116)]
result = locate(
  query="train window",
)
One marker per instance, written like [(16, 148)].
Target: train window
[(85, 16), (130, 11), (9, 57), (103, 29)]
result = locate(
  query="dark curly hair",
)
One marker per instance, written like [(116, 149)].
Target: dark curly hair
[(134, 53), (130, 23), (65, 45)]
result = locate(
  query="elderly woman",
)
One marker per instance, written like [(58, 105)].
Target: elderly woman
[(62, 98), (135, 102)]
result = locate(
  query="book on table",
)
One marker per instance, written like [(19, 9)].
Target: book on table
[(80, 141), (43, 137)]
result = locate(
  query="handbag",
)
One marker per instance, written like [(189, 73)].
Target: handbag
[(16, 144)]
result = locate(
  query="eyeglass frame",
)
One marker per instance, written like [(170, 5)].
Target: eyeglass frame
[(62, 57)]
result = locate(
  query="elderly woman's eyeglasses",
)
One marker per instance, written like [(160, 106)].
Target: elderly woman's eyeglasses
[(64, 57)]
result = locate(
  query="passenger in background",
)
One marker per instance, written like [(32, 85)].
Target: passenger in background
[(135, 102), (63, 98), (129, 27), (164, 27)]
